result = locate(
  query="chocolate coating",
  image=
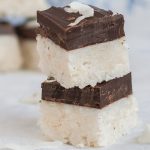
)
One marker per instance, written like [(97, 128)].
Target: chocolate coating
[(102, 27), (6, 29), (26, 32), (99, 96)]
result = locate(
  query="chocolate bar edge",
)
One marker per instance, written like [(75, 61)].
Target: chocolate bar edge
[(6, 29), (71, 38), (26, 33), (98, 97)]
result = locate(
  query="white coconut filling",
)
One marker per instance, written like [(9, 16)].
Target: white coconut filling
[(30, 55), (10, 55), (83, 66), (85, 10), (83, 126)]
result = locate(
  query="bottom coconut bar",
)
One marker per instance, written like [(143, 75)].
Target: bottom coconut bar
[(86, 126)]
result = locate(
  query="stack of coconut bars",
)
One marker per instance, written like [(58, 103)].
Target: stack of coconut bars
[(87, 99)]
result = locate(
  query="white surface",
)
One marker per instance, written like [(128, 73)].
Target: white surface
[(83, 66), (18, 122), (84, 126), (84, 10), (144, 138)]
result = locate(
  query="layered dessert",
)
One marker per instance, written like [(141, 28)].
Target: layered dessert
[(27, 34), (87, 99), (10, 56)]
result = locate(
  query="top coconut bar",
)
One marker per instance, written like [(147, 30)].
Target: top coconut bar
[(103, 26)]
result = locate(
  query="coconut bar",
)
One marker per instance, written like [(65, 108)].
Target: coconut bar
[(27, 34), (91, 51), (87, 99)]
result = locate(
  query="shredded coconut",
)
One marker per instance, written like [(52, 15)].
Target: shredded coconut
[(85, 10)]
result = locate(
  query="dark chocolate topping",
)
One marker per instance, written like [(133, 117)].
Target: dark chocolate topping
[(6, 29), (99, 96), (102, 27)]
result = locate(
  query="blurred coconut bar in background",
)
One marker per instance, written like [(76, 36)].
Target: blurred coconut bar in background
[(22, 15), (21, 8), (10, 56), (27, 34)]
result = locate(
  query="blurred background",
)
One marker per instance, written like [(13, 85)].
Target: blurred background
[(18, 53)]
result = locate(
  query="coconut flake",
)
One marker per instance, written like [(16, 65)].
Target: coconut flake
[(85, 10)]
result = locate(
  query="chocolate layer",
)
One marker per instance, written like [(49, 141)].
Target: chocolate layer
[(99, 96), (26, 32), (104, 26), (6, 29)]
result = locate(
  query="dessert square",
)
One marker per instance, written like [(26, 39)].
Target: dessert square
[(87, 53), (87, 99)]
